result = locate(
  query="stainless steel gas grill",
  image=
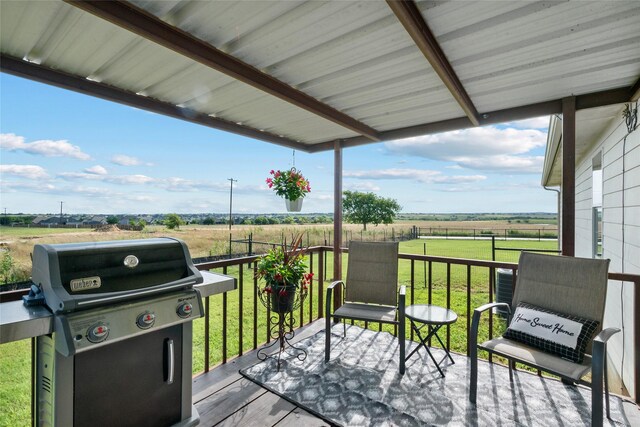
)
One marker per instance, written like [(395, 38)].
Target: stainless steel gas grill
[(120, 349)]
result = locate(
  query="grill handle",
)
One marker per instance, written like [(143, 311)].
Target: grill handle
[(170, 368)]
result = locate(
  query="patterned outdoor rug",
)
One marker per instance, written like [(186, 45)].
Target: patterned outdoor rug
[(361, 386)]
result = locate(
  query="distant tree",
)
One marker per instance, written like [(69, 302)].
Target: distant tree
[(173, 221), (261, 220), (288, 220), (138, 225), (209, 221), (112, 219), (367, 208), (273, 220)]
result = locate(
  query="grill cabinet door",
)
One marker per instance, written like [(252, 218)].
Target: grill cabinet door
[(125, 383)]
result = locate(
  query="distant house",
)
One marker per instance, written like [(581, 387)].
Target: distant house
[(607, 213), (96, 220), (49, 220), (75, 220)]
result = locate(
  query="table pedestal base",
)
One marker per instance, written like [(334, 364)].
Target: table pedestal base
[(433, 331)]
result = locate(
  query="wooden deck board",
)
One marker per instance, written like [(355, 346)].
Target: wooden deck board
[(301, 418), (224, 397), (266, 410)]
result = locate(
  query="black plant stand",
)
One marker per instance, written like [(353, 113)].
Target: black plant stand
[(280, 328)]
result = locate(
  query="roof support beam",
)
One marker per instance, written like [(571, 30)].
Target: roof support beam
[(568, 176), (589, 100), (40, 73), (409, 15), (337, 221), (146, 25)]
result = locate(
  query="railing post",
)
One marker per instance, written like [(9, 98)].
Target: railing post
[(493, 247), (240, 287), (321, 275)]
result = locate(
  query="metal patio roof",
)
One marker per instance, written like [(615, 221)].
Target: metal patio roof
[(305, 74)]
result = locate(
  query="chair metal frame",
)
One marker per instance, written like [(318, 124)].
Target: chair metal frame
[(399, 320), (598, 363)]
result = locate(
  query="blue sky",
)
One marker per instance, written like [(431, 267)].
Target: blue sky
[(100, 157)]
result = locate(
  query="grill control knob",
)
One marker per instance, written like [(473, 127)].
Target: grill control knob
[(146, 320), (98, 333), (184, 310)]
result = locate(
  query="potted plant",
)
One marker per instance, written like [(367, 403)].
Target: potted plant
[(291, 185), (284, 273)]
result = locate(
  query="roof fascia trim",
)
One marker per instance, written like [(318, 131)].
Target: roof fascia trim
[(585, 101), (554, 136), (42, 74), (150, 27)]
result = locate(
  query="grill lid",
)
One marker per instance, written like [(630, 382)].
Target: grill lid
[(78, 275)]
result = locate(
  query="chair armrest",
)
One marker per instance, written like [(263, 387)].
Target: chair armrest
[(334, 284), (486, 307), (475, 322), (605, 334), (327, 306)]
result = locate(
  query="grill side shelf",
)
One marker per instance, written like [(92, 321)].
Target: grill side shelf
[(18, 322)]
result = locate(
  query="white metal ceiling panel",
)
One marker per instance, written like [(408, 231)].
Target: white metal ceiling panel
[(504, 52), (349, 55), (63, 37), (354, 56)]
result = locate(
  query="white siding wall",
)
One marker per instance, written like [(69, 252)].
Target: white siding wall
[(621, 218)]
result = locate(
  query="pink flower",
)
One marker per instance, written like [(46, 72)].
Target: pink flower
[(278, 277), (272, 172), (308, 188), (277, 174), (283, 292)]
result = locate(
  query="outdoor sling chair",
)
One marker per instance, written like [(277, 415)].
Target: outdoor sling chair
[(557, 308), (370, 291)]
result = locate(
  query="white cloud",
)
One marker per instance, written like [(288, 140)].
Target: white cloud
[(23, 187), (24, 171), (115, 179), (96, 170), (44, 147), (420, 175), (124, 160), (512, 164), (487, 148), (361, 186)]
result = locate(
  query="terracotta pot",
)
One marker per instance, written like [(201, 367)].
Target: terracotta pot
[(293, 205)]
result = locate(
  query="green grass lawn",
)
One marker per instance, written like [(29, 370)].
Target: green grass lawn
[(26, 232), (15, 357)]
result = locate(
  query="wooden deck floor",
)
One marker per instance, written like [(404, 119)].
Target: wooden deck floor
[(223, 397)]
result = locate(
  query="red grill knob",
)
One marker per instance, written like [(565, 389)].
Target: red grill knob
[(184, 310), (98, 333), (146, 320)]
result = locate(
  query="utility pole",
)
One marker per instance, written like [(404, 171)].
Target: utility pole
[(61, 212), (231, 180)]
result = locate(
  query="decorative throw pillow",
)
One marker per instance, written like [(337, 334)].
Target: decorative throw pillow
[(556, 333)]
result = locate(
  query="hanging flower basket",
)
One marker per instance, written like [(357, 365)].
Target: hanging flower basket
[(291, 185), (293, 205)]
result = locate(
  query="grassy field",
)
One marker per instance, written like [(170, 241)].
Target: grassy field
[(15, 357)]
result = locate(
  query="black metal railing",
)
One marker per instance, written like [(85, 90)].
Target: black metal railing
[(235, 322)]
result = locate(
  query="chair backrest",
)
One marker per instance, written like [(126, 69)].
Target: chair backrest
[(372, 273), (575, 286)]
